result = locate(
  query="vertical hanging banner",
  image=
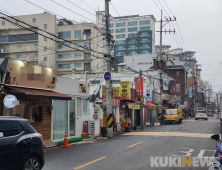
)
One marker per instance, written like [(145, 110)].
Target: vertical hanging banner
[(132, 94), (139, 86), (165, 83), (178, 88), (172, 89), (124, 89)]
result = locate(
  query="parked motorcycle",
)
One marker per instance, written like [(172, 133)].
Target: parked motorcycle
[(217, 164)]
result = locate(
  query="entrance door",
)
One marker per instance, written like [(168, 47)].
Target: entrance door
[(137, 121)]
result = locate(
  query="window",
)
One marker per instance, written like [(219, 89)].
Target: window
[(78, 65), (132, 41), (87, 56), (120, 30), (145, 22), (16, 21), (95, 82), (120, 42), (120, 54), (132, 47), (45, 48), (78, 55), (45, 58), (133, 23), (72, 118), (111, 31), (78, 45), (45, 38), (110, 25), (18, 56), (20, 37), (36, 114), (121, 47), (33, 20), (19, 46), (132, 53), (3, 23), (18, 110), (144, 28), (79, 107), (120, 36), (144, 40), (45, 26), (61, 66), (176, 73), (145, 46), (121, 24), (87, 66), (65, 34), (36, 55), (62, 46), (84, 107), (87, 34), (62, 56), (133, 29), (87, 45), (9, 128), (120, 59), (132, 35), (78, 34), (144, 34), (36, 45), (144, 52)]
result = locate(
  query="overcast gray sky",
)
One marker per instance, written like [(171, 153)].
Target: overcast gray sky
[(200, 24)]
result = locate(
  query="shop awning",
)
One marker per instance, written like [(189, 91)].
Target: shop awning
[(99, 103), (146, 106), (151, 106), (40, 94)]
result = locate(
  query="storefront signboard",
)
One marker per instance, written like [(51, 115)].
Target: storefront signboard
[(124, 89), (132, 94), (139, 86), (177, 88), (115, 98), (82, 88), (134, 106), (148, 97), (172, 89), (10, 101), (24, 74)]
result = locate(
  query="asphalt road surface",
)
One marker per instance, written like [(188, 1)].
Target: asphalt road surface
[(133, 151)]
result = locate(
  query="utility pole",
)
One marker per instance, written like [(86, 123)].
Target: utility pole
[(160, 56), (108, 69), (185, 75), (218, 110), (141, 108)]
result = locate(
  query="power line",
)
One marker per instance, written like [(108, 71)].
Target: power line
[(88, 5), (115, 8), (60, 15), (177, 25)]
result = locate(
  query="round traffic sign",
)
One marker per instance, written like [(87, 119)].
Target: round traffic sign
[(107, 76)]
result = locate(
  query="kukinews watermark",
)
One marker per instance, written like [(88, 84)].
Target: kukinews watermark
[(180, 161)]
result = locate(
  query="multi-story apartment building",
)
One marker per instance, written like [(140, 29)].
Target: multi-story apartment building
[(133, 34), (85, 41)]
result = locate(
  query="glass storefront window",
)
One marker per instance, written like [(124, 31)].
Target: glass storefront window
[(79, 107), (18, 110), (72, 117), (84, 107), (60, 118)]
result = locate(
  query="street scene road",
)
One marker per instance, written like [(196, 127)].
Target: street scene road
[(133, 150)]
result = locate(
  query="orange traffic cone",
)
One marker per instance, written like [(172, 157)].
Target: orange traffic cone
[(66, 142)]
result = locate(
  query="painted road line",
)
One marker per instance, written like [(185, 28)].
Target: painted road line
[(134, 144), (183, 125), (188, 123), (176, 128), (89, 163), (178, 134), (156, 136)]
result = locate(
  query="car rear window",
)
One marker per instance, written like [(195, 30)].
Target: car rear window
[(201, 111), (28, 128), (9, 128)]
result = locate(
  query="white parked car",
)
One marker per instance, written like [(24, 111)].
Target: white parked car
[(201, 114)]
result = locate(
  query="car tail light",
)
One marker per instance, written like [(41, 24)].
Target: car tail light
[(196, 113), (220, 154), (39, 135), (205, 114)]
